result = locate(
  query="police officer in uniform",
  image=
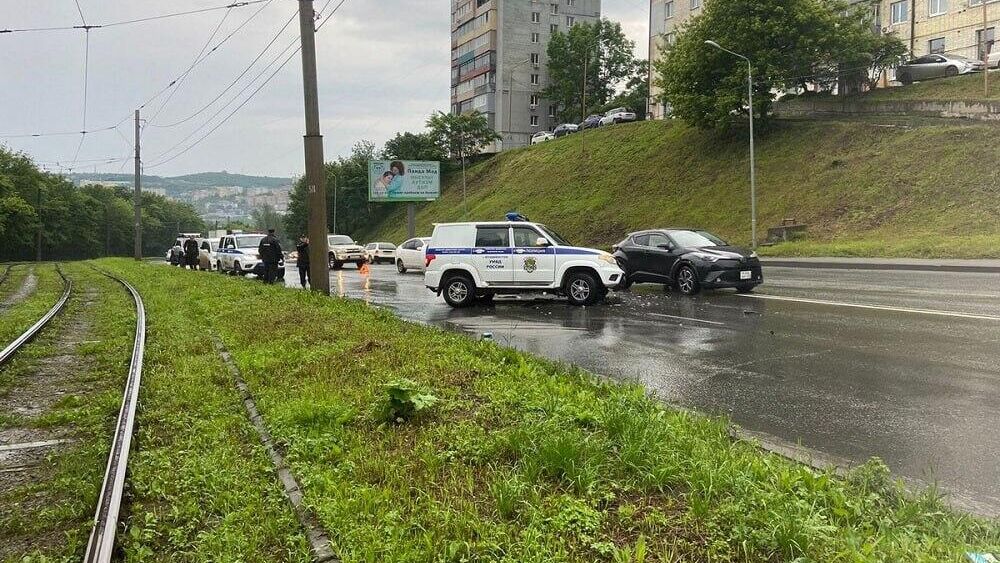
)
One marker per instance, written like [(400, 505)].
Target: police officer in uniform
[(303, 261), (191, 253), (270, 254)]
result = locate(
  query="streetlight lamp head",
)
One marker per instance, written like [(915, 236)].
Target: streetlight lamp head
[(713, 44)]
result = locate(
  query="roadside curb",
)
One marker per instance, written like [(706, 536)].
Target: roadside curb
[(828, 264)]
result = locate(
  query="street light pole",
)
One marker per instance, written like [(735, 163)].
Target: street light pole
[(753, 166)]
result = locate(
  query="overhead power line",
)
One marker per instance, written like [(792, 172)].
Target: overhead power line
[(133, 21)]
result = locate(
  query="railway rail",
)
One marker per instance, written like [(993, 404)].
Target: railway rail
[(101, 546), (7, 353)]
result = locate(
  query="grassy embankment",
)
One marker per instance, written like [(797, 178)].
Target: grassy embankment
[(22, 314), (966, 87), (863, 189), (519, 459)]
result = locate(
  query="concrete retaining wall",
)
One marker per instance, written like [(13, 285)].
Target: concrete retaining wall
[(979, 110)]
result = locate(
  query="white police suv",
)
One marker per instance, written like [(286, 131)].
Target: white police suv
[(237, 253), (467, 262)]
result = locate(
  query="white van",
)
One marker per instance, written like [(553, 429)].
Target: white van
[(467, 262)]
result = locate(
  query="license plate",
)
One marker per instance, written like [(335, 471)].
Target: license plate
[(746, 274)]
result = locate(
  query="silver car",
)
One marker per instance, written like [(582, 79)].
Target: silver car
[(936, 66)]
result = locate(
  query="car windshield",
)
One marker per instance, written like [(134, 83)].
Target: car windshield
[(340, 239), (696, 239), (388, 246), (554, 236), (249, 241)]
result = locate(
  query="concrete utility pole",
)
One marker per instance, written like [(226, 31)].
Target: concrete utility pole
[(986, 56), (137, 197), (38, 233), (319, 268)]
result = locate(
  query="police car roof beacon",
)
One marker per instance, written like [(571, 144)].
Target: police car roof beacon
[(475, 261)]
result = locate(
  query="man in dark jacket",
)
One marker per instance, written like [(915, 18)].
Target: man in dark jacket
[(270, 254), (191, 253), (302, 248)]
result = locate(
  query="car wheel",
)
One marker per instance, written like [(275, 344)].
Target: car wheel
[(237, 269), (335, 265), (627, 282), (582, 289), (400, 267), (459, 291), (218, 267), (905, 78), (687, 280), (951, 71)]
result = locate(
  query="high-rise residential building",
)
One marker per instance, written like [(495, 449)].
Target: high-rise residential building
[(665, 20), (498, 61)]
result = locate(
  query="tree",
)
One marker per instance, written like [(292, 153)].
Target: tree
[(461, 135), (790, 43), (605, 52), (413, 146), (264, 217), (635, 96)]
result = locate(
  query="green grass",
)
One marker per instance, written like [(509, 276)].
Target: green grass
[(511, 459), (21, 315), (882, 190)]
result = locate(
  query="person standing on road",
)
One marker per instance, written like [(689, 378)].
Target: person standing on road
[(270, 254), (191, 252), (302, 248)]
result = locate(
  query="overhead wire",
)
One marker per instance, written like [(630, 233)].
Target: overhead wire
[(252, 94), (180, 80), (133, 21)]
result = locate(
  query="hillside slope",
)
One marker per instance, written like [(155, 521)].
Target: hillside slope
[(863, 189)]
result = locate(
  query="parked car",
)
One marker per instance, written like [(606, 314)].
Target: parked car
[(237, 254), (410, 255), (208, 255), (617, 115), (381, 252), (541, 137), (993, 59), (467, 262), (565, 129), (591, 122), (344, 249), (936, 66), (689, 260)]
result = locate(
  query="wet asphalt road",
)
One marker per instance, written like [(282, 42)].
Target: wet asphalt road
[(849, 363)]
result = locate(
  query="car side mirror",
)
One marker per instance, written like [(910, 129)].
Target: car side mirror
[(666, 246), (542, 241)]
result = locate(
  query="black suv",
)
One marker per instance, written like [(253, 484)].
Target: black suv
[(687, 259)]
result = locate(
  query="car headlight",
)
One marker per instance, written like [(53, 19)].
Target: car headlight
[(609, 259), (706, 256), (753, 255)]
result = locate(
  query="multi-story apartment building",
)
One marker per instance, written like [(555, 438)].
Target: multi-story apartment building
[(498, 60), (942, 26), (926, 26), (665, 20)]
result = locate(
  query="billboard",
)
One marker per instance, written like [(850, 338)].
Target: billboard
[(403, 180)]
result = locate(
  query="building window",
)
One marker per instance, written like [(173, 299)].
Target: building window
[(695, 4), (534, 79), (668, 8), (534, 121), (670, 38), (555, 8), (900, 12), (983, 43), (571, 2), (552, 111), (553, 28), (536, 17), (936, 45), (937, 7), (570, 20), (479, 3), (534, 37), (534, 58), (534, 100)]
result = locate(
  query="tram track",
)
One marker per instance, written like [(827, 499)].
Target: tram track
[(8, 352)]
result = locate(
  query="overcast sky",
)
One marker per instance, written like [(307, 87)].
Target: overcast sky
[(383, 68)]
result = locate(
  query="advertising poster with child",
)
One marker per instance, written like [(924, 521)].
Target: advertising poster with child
[(403, 180)]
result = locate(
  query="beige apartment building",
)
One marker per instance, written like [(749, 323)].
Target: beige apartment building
[(925, 26)]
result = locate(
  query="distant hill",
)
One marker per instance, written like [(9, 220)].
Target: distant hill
[(181, 184)]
